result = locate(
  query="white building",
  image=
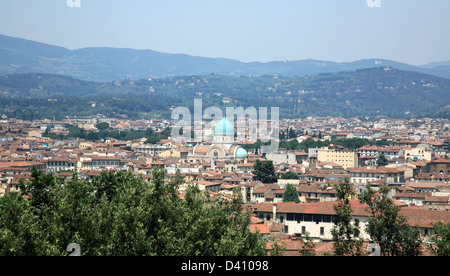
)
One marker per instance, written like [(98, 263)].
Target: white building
[(313, 218), (282, 157)]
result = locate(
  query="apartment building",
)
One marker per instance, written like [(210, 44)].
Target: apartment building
[(103, 161), (375, 151), (313, 218), (282, 157), (317, 219), (345, 158), (310, 193), (419, 153), (61, 164), (368, 175)]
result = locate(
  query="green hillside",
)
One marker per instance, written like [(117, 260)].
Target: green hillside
[(367, 92)]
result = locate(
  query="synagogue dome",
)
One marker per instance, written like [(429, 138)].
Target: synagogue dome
[(224, 127)]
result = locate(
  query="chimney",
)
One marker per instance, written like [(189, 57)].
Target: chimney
[(274, 212)]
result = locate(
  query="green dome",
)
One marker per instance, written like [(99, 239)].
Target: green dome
[(224, 127), (241, 153)]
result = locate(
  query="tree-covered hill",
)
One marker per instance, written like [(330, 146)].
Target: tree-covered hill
[(366, 92)]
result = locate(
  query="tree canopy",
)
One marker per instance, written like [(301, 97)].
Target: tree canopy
[(264, 171), (118, 214), (387, 227), (290, 194), (346, 233), (440, 245)]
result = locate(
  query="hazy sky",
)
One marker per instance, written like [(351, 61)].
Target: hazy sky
[(410, 31)]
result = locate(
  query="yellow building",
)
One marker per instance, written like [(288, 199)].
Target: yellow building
[(85, 145), (173, 153), (345, 158), (419, 153), (34, 134)]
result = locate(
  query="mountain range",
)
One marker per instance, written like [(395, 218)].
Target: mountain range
[(44, 81), (115, 64)]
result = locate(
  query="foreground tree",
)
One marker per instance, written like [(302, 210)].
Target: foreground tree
[(39, 188), (387, 228), (441, 241), (346, 240), (308, 248), (122, 215), (21, 234)]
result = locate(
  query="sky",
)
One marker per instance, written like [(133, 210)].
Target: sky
[(410, 31)]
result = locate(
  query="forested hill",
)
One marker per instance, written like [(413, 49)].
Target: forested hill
[(116, 64), (366, 92)]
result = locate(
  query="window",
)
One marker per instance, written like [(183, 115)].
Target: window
[(298, 217), (307, 217), (326, 218), (322, 231), (290, 217), (303, 229), (317, 218)]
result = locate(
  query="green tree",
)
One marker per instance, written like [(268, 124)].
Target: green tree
[(387, 227), (76, 132), (346, 240), (277, 249), (264, 171), (290, 194), (39, 188), (92, 136), (291, 133), (308, 248), (289, 175), (382, 161), (102, 126), (441, 241), (119, 214), (20, 231)]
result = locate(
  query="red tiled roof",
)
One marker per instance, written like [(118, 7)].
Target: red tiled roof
[(424, 218), (327, 208), (260, 228)]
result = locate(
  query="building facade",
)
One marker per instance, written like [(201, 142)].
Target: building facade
[(314, 219), (345, 158)]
